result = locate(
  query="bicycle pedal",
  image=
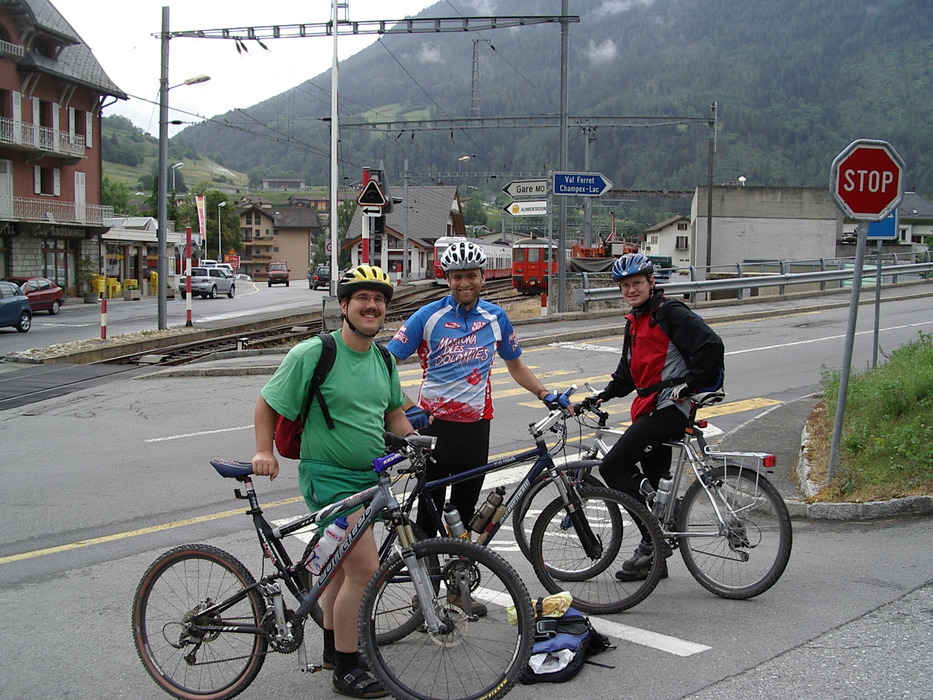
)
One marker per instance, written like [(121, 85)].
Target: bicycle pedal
[(311, 668)]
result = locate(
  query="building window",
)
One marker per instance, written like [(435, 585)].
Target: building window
[(653, 240), (681, 225), (48, 181), (682, 243)]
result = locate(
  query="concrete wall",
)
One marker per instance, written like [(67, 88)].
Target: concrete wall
[(755, 223)]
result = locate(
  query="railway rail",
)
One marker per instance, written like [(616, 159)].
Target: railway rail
[(406, 301)]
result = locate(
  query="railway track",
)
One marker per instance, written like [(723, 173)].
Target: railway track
[(406, 301)]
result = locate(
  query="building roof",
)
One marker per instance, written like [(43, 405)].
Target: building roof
[(75, 63), (427, 208), (913, 206), (296, 217), (661, 225)]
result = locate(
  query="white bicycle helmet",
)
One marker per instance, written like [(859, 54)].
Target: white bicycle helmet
[(463, 255)]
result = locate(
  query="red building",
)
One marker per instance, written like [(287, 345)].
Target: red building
[(52, 92)]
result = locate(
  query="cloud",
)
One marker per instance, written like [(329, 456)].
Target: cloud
[(604, 52), (615, 7), (430, 53)]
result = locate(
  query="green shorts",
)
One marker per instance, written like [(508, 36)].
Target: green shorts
[(322, 484)]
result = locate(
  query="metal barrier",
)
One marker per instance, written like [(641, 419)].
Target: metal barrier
[(744, 285)]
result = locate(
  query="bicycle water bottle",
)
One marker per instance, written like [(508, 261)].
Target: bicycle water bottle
[(454, 524), (482, 516), (326, 546), (664, 491)]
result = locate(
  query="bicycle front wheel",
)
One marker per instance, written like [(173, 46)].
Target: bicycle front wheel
[(613, 522), (184, 611), (744, 553), (487, 615), (542, 492)]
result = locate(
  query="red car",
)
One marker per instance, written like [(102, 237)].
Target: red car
[(43, 294)]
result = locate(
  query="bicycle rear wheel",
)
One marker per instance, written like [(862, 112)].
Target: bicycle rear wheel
[(561, 562), (744, 556), (185, 659), (482, 652), (542, 492)]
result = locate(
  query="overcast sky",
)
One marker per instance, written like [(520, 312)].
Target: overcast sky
[(120, 33)]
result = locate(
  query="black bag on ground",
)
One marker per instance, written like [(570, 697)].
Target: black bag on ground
[(562, 645)]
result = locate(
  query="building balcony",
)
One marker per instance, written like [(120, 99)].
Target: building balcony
[(53, 211), (10, 50), (40, 140)]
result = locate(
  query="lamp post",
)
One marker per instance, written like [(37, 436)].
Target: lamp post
[(463, 158), (174, 168), (162, 206), (219, 254)]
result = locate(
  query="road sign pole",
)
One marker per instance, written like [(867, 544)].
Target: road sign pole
[(847, 353)]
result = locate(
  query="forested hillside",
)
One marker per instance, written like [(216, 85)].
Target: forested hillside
[(795, 81)]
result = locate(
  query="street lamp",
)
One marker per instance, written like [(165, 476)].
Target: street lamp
[(174, 168), (219, 254), (162, 206), (463, 158)]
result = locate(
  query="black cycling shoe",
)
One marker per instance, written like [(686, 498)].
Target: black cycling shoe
[(639, 574), (359, 684)]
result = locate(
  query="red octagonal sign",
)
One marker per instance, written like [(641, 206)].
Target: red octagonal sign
[(867, 180)]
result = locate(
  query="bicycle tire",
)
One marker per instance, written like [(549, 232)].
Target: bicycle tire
[(561, 564), (760, 530), (219, 664), (480, 656), (532, 503)]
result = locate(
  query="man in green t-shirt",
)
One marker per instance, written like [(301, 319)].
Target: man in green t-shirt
[(364, 398)]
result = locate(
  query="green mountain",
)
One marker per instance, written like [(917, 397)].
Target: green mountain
[(795, 81)]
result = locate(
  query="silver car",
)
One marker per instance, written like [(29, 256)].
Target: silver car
[(208, 282)]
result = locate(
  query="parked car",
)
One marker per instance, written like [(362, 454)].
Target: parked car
[(208, 282), (14, 307), (243, 276), (43, 294), (320, 278), (278, 274)]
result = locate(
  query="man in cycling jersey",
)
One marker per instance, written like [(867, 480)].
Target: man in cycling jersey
[(668, 354), (364, 398), (457, 339)]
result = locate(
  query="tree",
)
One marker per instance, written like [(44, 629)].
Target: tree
[(116, 195)]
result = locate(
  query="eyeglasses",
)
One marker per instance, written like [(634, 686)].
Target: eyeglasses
[(626, 286), (364, 299)]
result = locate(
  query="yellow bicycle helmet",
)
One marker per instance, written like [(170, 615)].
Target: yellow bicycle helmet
[(365, 277)]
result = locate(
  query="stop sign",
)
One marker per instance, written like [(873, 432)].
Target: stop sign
[(867, 180)]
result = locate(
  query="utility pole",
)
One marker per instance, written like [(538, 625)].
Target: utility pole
[(564, 101)]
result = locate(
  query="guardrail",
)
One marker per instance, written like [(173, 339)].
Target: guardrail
[(744, 285)]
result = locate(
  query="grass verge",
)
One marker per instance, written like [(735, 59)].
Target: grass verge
[(886, 450)]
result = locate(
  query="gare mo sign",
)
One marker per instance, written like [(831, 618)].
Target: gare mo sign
[(867, 180)]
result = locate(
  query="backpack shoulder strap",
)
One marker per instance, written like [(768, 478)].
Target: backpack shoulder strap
[(324, 363), (387, 357)]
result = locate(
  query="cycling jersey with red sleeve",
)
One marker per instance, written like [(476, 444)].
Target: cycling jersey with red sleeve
[(457, 349)]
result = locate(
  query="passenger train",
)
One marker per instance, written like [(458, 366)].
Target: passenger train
[(498, 257), (530, 259)]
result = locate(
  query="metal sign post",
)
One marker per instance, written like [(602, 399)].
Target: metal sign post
[(867, 183)]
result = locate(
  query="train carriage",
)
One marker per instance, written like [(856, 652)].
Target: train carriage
[(498, 257), (530, 259)]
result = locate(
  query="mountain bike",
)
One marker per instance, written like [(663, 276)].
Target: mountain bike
[(587, 526), (730, 523), (203, 625)]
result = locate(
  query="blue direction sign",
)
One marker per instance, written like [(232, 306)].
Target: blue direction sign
[(886, 229), (581, 184)]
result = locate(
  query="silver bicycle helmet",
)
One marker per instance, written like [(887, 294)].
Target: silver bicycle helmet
[(631, 264), (463, 255)]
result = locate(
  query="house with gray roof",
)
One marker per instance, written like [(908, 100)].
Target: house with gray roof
[(52, 91), (425, 214)]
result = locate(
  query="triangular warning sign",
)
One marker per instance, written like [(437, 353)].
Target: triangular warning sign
[(371, 195)]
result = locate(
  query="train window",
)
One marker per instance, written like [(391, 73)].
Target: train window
[(534, 254)]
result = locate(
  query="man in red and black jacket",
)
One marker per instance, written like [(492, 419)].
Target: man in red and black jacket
[(668, 354)]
